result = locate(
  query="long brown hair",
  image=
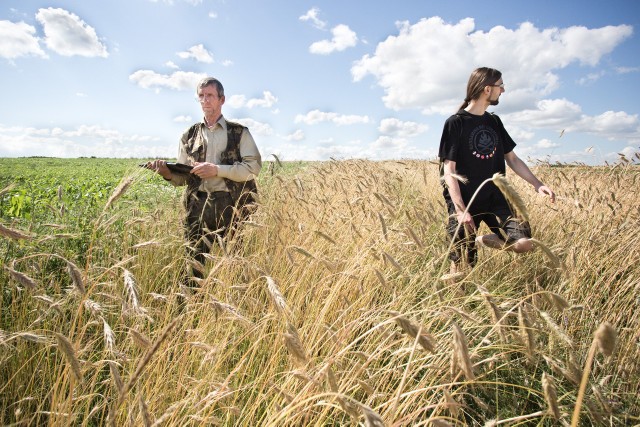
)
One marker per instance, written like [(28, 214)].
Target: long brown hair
[(479, 79)]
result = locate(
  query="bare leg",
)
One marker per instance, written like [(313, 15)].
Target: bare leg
[(494, 241)]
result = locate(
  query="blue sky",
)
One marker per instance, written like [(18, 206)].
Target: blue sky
[(317, 79)]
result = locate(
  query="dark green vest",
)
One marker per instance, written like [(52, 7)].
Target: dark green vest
[(242, 192)]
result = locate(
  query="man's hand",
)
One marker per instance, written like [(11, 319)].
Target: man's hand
[(160, 166), (543, 189), (205, 170), (466, 220)]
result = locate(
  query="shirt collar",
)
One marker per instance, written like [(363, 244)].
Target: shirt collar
[(221, 120)]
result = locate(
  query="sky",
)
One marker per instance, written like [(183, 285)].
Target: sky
[(315, 80)]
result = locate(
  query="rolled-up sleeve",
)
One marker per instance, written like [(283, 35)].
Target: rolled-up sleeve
[(251, 163)]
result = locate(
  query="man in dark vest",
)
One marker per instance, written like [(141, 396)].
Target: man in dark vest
[(221, 186)]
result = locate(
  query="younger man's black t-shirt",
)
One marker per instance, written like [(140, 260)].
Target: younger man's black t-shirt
[(477, 144)]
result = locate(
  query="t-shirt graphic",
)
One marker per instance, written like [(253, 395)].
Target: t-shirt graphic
[(483, 142)]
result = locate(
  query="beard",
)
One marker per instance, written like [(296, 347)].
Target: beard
[(494, 101)]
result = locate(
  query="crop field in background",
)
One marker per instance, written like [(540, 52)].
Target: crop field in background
[(332, 307)]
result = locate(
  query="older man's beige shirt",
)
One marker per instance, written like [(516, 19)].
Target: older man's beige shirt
[(216, 141)]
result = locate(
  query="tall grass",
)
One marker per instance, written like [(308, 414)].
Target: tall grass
[(329, 309)]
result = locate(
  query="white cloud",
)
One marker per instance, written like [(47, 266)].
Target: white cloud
[(560, 114), (239, 101), (343, 37), (590, 78), (312, 15), (179, 80), (546, 144), (389, 143), (255, 127), (548, 113), (266, 101), (298, 135), (198, 52), (171, 64), (213, 15), (83, 141), (626, 70), (317, 116), (227, 63), (395, 127), (427, 64), (68, 35), (18, 39), (611, 123), (236, 101), (183, 119)]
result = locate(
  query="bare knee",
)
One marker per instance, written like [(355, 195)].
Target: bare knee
[(522, 245)]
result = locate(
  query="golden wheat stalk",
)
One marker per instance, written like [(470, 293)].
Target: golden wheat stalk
[(511, 195), (294, 345), (144, 361), (115, 373), (371, 417), (526, 332), (276, 296), (94, 307), (555, 328), (131, 293), (550, 395), (553, 258), (221, 307), (144, 412), (118, 192), (414, 330), (76, 277), (22, 278), (604, 340), (109, 337), (67, 349), (13, 234), (461, 354), (140, 339)]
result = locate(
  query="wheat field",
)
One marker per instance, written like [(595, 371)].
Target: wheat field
[(332, 307)]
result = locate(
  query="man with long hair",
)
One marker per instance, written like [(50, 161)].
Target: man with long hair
[(474, 146)]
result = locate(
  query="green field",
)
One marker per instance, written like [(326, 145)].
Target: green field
[(333, 307)]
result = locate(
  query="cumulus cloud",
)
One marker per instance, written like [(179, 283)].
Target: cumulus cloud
[(398, 128), (312, 16), (298, 135), (546, 144), (343, 38), (18, 39), (255, 127), (179, 80), (68, 35), (171, 64), (198, 52), (590, 78), (236, 101), (239, 101), (427, 64), (183, 119), (317, 116), (560, 114), (82, 141), (267, 100), (626, 70)]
